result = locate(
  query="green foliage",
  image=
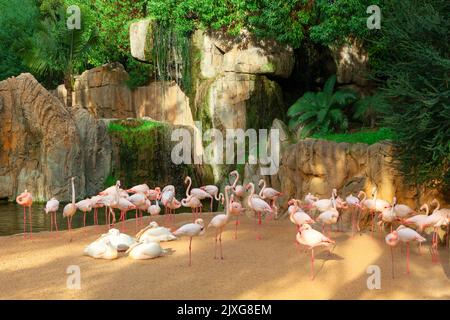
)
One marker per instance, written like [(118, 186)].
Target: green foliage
[(416, 76), (363, 136), (54, 52), (368, 109), (321, 111), (15, 27)]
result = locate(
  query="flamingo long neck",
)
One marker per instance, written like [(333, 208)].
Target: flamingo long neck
[(438, 206), (217, 196), (73, 192), (189, 186), (375, 195), (262, 189), (116, 195), (227, 204), (236, 180), (252, 192)]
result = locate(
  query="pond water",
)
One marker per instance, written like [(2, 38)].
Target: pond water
[(11, 218)]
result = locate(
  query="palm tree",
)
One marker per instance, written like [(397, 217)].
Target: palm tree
[(55, 52), (321, 111), (368, 108)]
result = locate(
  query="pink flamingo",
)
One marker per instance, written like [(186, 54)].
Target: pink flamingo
[(140, 201), (167, 195), (268, 193), (154, 194), (154, 209), (387, 215), (84, 206), (96, 204), (236, 209), (219, 222), (373, 205), (51, 207), (191, 230), (239, 190), (213, 191), (70, 209), (140, 188), (354, 206), (445, 214), (196, 192), (402, 211), (296, 215), (329, 218), (194, 203), (405, 235), (124, 206), (173, 205), (25, 199), (258, 205), (311, 238)]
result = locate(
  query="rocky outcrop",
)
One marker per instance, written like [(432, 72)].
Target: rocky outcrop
[(232, 83), (103, 92), (318, 166), (40, 144), (141, 40)]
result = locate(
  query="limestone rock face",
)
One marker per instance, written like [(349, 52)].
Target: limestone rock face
[(40, 144), (318, 166), (103, 92), (141, 39), (96, 147)]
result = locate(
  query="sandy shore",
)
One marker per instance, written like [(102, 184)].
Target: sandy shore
[(267, 269)]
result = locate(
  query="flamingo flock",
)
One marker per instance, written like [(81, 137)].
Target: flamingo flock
[(305, 214)]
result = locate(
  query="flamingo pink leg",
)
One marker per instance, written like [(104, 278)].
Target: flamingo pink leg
[(258, 235), (190, 252), (55, 221), (235, 229), (31, 224), (220, 241), (24, 222), (407, 258)]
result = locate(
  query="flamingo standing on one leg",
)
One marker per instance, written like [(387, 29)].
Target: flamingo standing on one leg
[(191, 230), (269, 193), (219, 222), (25, 199), (405, 235), (239, 190), (311, 238), (194, 203), (167, 195), (51, 207), (258, 205), (70, 209)]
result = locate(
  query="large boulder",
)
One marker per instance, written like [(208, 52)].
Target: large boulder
[(141, 39), (40, 144), (103, 92)]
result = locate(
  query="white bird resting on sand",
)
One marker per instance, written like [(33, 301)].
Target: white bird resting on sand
[(147, 249), (101, 250), (118, 240), (154, 232)]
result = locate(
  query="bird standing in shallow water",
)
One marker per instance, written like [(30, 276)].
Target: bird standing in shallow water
[(51, 207), (25, 199)]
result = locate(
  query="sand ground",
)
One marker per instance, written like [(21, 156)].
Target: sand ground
[(271, 268)]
